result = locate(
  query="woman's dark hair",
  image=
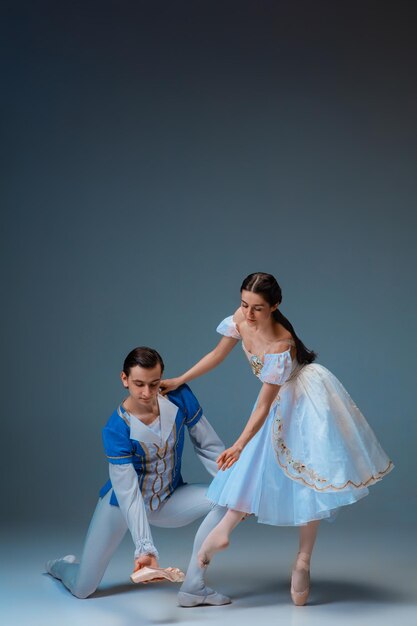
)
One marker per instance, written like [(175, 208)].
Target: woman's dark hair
[(144, 357), (267, 286)]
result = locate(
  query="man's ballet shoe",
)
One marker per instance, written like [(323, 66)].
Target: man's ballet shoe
[(208, 597), (70, 558), (148, 574)]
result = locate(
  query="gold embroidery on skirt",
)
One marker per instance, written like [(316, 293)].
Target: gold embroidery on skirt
[(281, 450)]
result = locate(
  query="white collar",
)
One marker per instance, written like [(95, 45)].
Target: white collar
[(140, 432)]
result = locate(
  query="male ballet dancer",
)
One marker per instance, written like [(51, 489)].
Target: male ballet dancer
[(143, 441)]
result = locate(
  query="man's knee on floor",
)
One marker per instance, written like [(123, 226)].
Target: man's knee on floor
[(82, 591)]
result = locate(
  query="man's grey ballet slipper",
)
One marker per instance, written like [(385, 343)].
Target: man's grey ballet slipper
[(147, 574), (210, 599), (70, 558)]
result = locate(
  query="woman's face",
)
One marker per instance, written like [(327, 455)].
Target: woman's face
[(143, 383), (255, 308)]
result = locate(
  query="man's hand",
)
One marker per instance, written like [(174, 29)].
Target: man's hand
[(145, 560)]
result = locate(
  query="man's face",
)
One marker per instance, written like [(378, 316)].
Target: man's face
[(143, 383)]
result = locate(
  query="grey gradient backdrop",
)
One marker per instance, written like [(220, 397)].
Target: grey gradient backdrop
[(153, 154)]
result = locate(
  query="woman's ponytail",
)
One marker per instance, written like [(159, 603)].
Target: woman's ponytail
[(304, 355)]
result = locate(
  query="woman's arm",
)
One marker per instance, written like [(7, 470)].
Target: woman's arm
[(255, 422), (207, 363)]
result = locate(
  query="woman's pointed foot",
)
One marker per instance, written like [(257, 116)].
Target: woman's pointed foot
[(300, 579)]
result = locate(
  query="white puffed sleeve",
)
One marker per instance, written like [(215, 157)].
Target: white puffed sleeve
[(276, 368), (228, 328), (124, 481), (207, 444)]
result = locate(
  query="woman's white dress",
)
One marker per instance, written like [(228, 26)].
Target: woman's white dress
[(314, 453)]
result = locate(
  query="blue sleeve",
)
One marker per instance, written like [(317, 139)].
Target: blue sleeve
[(189, 404), (116, 441)]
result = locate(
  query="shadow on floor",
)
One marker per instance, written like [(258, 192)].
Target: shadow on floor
[(323, 592), (265, 592), (331, 591), (111, 590)]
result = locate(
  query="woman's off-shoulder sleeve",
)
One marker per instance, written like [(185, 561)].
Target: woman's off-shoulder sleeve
[(276, 368), (228, 328)]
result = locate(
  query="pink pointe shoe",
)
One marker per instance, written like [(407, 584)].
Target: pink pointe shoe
[(302, 564), (149, 574)]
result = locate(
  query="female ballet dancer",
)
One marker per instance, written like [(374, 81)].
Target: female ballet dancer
[(306, 449)]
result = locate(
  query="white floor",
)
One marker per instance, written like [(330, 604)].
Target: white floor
[(360, 576)]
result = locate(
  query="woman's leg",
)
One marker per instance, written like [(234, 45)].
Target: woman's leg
[(218, 538), (193, 590), (212, 536), (107, 529), (187, 504), (308, 534), (300, 579)]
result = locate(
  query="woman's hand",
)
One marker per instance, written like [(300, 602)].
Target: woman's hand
[(169, 384), (228, 457)]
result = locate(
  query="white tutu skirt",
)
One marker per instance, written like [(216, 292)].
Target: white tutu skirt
[(314, 454)]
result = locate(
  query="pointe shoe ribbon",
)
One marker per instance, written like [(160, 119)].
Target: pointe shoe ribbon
[(148, 574)]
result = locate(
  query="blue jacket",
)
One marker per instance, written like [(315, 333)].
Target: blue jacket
[(127, 441)]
